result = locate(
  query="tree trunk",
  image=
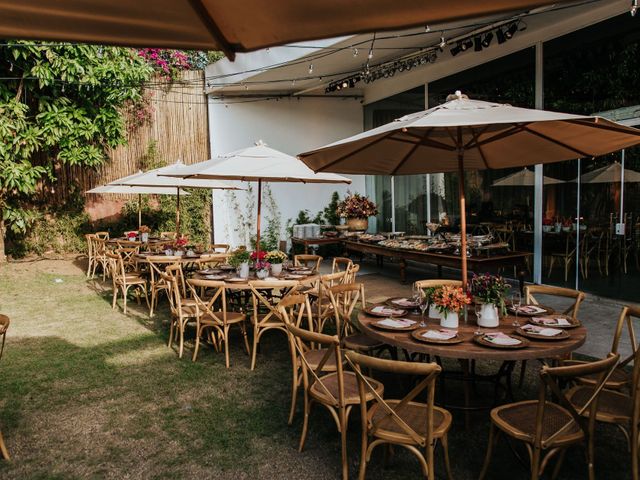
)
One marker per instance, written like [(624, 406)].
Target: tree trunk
[(3, 257)]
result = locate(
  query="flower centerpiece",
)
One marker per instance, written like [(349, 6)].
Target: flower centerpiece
[(357, 209), (449, 300), (131, 236), (179, 245), (427, 295), (144, 233), (262, 269), (489, 291), (276, 258), (240, 260)]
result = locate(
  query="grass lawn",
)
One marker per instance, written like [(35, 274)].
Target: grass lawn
[(87, 392)]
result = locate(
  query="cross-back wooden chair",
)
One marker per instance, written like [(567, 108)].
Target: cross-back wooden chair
[(100, 258), (183, 309), (219, 247), (564, 255), (266, 316), (305, 260), (128, 255), (157, 285), (122, 280), (548, 428), (211, 260), (405, 422), (617, 408), (90, 255), (620, 378), (341, 264), (352, 273), (345, 299), (4, 326), (337, 391), (102, 235), (437, 282), (212, 314), (296, 310), (321, 300), (572, 309)]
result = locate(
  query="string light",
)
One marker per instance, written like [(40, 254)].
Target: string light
[(443, 42), (355, 52), (427, 29), (310, 68), (634, 7)]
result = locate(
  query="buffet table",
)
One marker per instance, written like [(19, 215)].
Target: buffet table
[(306, 242), (479, 264)]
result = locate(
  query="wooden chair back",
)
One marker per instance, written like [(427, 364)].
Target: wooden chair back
[(168, 235), (550, 381), (305, 260), (427, 373), (437, 282), (352, 273), (572, 310), (629, 315), (172, 277), (262, 301), (219, 247), (206, 306), (341, 264), (303, 341), (212, 259), (116, 265), (4, 326), (102, 235), (128, 244), (344, 299)]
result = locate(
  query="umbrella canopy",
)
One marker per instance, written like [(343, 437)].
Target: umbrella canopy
[(226, 25), (523, 178), (255, 164), (469, 134), (153, 178), (610, 174)]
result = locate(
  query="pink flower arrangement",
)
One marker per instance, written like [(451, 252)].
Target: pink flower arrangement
[(258, 255), (262, 265), (357, 206), (181, 242), (450, 299)]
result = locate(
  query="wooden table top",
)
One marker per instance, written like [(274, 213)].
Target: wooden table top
[(307, 280), (469, 349)]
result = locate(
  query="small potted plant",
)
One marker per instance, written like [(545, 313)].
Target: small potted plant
[(547, 225), (357, 209), (131, 236), (179, 245), (240, 260), (262, 269), (276, 258), (450, 300), (144, 233), (428, 298), (489, 291)]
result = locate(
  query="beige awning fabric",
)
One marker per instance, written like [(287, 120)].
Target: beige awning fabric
[(610, 174), (523, 178), (230, 26), (252, 164), (155, 178), (493, 136), (134, 190)]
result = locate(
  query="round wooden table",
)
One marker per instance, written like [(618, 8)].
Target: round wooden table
[(469, 349)]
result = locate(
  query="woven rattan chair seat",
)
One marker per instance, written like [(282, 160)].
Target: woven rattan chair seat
[(132, 279), (232, 317), (413, 414), (618, 379), (360, 342), (613, 407), (351, 396), (519, 420), (314, 357)]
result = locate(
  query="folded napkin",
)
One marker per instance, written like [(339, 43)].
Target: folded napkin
[(386, 310), (531, 309), (500, 338), (545, 332), (439, 334), (396, 322), (552, 321), (404, 302)]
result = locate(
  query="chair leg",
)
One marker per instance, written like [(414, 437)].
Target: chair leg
[(3, 449), (305, 421), (254, 351), (447, 463), (125, 292), (634, 453), (535, 464), (115, 297), (493, 438), (343, 441), (295, 382), (363, 454), (181, 325), (195, 350), (245, 337), (556, 469), (226, 345)]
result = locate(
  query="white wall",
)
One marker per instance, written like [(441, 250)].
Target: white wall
[(291, 126)]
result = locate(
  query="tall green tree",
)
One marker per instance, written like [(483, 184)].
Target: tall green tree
[(60, 105)]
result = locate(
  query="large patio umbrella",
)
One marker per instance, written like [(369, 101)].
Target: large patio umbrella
[(255, 164), (226, 25), (133, 190), (610, 174), (523, 178), (153, 178), (464, 134)]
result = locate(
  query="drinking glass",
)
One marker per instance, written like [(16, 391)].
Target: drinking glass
[(516, 302)]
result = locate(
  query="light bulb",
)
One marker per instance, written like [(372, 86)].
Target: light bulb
[(443, 42), (310, 68), (427, 29), (370, 54), (355, 52)]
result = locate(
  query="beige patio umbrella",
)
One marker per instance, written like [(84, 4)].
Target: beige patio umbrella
[(226, 25), (153, 178), (133, 190), (523, 178), (610, 174), (464, 134), (255, 164)]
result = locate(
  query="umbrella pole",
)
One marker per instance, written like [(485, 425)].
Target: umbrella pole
[(463, 214), (139, 211), (258, 222), (178, 212)]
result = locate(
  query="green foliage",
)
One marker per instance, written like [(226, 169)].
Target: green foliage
[(330, 212), (61, 108)]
